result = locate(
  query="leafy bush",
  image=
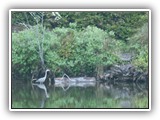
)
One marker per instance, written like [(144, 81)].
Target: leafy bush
[(79, 52), (139, 43), (75, 52), (66, 50), (24, 54)]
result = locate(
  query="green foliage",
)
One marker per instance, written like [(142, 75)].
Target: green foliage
[(24, 57), (17, 17), (65, 50), (22, 17), (80, 42), (78, 52), (123, 24), (139, 44)]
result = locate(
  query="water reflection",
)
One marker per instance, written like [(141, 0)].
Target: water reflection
[(42, 91), (123, 92), (76, 94)]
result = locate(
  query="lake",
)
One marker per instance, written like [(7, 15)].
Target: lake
[(91, 94)]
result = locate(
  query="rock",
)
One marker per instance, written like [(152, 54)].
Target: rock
[(125, 72), (126, 56)]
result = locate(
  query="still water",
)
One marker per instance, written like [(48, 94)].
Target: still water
[(79, 95)]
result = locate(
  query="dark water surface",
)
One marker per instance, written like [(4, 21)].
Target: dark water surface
[(80, 95)]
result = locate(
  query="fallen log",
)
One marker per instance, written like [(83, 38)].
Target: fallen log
[(75, 82), (76, 79)]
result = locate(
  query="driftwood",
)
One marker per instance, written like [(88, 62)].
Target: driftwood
[(66, 82)]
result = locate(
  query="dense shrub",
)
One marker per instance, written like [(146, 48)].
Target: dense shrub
[(24, 53), (139, 43), (76, 53), (66, 50)]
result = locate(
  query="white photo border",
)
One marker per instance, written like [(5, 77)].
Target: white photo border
[(77, 109)]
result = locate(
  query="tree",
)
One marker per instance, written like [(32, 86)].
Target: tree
[(39, 18)]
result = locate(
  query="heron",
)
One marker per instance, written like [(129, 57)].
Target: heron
[(41, 80)]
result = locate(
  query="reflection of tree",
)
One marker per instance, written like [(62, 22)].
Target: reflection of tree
[(41, 91), (121, 91)]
